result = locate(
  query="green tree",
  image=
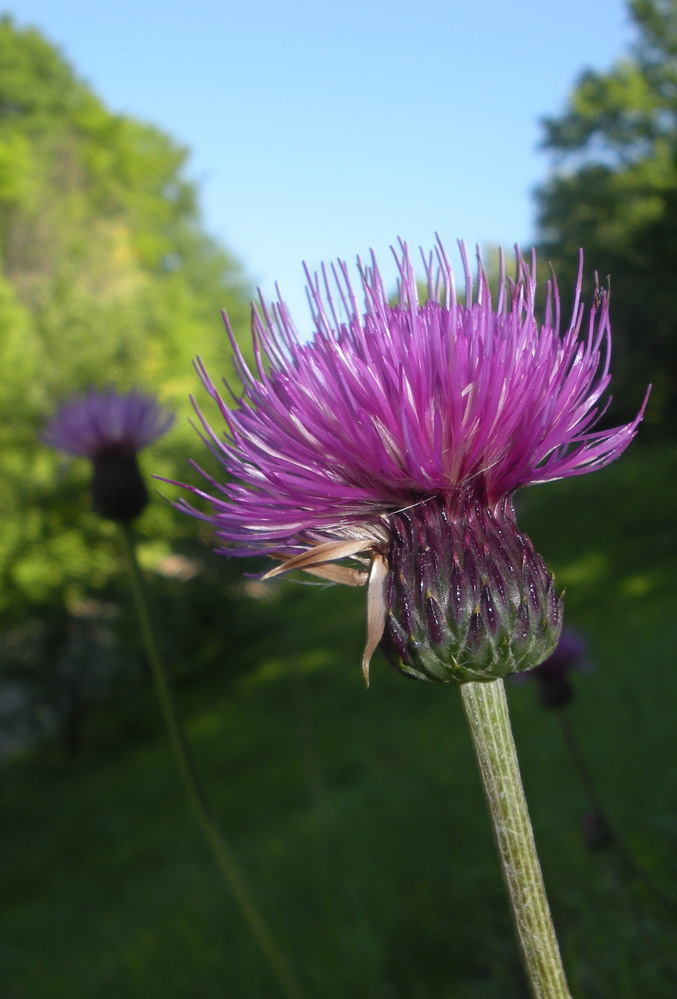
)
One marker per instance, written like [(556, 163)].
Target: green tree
[(106, 276), (613, 191)]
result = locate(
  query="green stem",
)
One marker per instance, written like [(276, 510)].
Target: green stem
[(487, 711), (223, 855)]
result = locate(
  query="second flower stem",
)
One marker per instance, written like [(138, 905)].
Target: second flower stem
[(487, 712), (222, 853)]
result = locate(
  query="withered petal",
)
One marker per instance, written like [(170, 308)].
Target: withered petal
[(328, 551), (377, 609)]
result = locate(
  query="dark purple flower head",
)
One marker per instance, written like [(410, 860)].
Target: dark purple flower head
[(400, 425), (109, 428), (101, 420)]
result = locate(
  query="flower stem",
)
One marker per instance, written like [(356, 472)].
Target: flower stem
[(222, 853), (487, 711)]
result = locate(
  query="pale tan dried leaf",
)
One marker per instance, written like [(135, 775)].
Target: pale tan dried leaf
[(328, 551), (377, 609), (344, 574)]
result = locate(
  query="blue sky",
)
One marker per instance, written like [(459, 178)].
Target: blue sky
[(320, 130)]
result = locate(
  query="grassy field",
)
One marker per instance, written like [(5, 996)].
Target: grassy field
[(358, 815)]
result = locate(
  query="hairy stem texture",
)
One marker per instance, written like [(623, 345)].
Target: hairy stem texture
[(487, 711)]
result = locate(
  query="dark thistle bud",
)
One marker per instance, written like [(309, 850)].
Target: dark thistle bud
[(118, 490), (555, 689), (555, 692), (468, 596), (596, 832)]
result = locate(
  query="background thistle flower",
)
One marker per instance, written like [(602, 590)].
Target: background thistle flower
[(553, 675), (109, 428), (386, 451)]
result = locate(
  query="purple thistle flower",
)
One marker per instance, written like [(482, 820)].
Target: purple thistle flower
[(393, 442), (89, 424), (109, 428)]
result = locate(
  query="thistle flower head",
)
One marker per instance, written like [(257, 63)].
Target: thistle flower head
[(99, 421), (387, 450), (109, 428)]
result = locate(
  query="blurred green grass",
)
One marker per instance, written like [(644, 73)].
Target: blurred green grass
[(358, 815)]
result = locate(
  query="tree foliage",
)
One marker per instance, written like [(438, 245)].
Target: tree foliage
[(613, 191), (106, 277)]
